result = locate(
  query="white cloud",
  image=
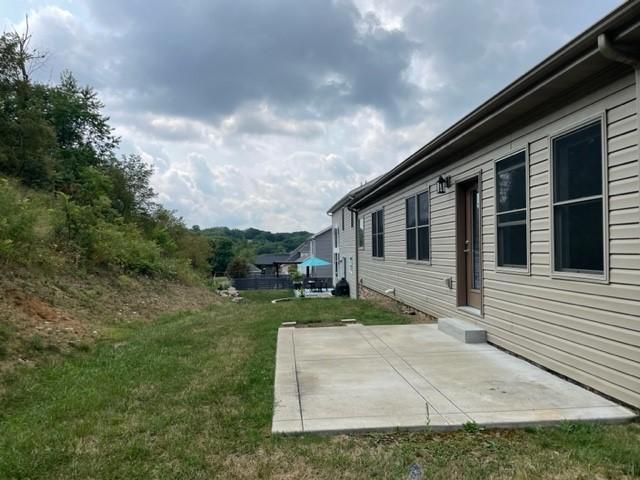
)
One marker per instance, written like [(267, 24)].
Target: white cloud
[(265, 114)]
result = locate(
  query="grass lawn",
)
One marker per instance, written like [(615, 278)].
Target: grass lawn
[(190, 396)]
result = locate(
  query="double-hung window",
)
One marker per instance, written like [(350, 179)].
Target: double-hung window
[(417, 226), (360, 232), (578, 201), (377, 233), (511, 211)]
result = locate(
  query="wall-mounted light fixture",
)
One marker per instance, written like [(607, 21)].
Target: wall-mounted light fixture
[(443, 184)]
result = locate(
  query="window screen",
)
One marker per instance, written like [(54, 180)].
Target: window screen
[(417, 226), (511, 211), (578, 228), (377, 233)]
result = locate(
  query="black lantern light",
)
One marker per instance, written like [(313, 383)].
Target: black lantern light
[(443, 184)]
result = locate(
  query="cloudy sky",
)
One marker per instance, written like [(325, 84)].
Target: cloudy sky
[(262, 113)]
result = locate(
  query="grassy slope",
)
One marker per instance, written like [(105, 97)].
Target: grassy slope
[(45, 313), (190, 396)]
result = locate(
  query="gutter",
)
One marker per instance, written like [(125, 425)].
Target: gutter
[(610, 51)]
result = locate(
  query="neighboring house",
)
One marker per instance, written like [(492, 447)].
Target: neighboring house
[(253, 271), (321, 248), (347, 238), (274, 263), (318, 245), (302, 251), (524, 216)]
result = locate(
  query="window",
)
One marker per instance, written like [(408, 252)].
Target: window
[(417, 226), (511, 211), (360, 232), (352, 215), (335, 237), (377, 233), (336, 264), (342, 219), (578, 227)]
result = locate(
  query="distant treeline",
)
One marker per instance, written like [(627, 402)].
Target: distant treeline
[(228, 243)]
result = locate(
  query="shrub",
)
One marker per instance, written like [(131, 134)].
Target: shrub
[(294, 274), (24, 225), (195, 248), (121, 245), (237, 268), (4, 340)]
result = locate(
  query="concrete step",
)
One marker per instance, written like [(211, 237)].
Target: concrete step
[(462, 330)]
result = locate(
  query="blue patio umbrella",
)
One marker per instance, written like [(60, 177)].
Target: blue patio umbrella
[(314, 262)]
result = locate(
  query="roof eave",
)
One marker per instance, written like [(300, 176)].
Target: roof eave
[(581, 47)]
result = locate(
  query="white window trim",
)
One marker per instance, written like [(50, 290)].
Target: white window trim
[(415, 261), (500, 268), (582, 276)]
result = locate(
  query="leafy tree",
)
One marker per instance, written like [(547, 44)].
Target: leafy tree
[(238, 268), (221, 254), (57, 138), (26, 139), (132, 192)]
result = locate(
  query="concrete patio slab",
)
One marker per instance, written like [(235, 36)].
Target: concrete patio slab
[(410, 377)]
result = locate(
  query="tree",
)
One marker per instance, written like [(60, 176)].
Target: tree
[(294, 273), (221, 254), (132, 191), (26, 138), (238, 268)]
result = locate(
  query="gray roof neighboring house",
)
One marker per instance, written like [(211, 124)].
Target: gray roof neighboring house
[(295, 254), (271, 258), (302, 249), (254, 269), (324, 230)]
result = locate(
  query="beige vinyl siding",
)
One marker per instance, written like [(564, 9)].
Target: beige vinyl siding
[(346, 248), (586, 330)]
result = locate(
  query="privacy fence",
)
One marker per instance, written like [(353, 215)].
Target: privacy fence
[(266, 282)]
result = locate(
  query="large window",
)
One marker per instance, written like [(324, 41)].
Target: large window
[(417, 226), (360, 232), (511, 211), (377, 233), (578, 227)]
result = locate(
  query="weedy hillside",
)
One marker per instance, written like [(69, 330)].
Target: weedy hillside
[(82, 239)]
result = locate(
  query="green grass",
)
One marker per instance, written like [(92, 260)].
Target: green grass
[(190, 397)]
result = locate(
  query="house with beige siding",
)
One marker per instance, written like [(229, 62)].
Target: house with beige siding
[(348, 238), (524, 216)]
